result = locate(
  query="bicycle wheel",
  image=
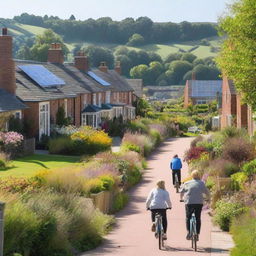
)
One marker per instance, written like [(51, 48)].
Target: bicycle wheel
[(160, 240), (195, 241)]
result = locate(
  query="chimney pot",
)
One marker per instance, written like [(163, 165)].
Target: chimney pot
[(4, 31)]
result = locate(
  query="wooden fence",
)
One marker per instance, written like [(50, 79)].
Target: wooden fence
[(103, 201)]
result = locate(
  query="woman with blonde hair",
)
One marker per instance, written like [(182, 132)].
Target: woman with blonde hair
[(158, 201)]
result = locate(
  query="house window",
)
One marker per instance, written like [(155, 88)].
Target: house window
[(17, 114), (44, 118), (66, 107), (107, 97), (94, 99), (201, 102), (130, 97), (90, 119)]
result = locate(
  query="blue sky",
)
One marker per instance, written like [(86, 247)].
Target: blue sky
[(157, 10)]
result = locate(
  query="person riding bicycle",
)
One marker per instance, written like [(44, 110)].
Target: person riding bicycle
[(176, 166), (158, 201), (193, 192)]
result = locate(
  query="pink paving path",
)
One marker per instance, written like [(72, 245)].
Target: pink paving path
[(132, 236)]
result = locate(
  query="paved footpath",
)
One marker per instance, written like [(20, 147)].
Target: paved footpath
[(131, 235)]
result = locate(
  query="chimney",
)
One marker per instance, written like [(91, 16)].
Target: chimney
[(81, 62), (55, 54), (193, 76), (103, 67), (118, 68), (7, 70)]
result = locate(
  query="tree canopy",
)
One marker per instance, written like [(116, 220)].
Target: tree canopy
[(237, 58)]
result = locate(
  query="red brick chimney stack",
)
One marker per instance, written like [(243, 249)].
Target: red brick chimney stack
[(81, 62), (55, 54), (118, 68), (103, 67), (193, 76), (7, 66)]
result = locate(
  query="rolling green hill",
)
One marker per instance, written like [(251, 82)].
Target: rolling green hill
[(163, 50)]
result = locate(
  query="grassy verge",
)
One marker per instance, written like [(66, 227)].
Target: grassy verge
[(30, 165)]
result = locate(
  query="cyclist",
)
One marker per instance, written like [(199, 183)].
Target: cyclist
[(193, 192), (176, 166), (158, 201)]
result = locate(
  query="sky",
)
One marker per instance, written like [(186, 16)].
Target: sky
[(157, 10)]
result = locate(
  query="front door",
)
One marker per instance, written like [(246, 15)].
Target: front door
[(44, 118)]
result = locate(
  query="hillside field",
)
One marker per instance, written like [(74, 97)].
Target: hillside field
[(195, 47)]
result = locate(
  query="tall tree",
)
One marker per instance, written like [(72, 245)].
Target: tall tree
[(238, 54)]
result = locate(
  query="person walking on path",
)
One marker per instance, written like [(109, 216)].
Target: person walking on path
[(176, 166), (193, 192), (158, 201)]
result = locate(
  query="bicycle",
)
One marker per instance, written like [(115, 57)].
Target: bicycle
[(193, 232), (176, 183), (159, 233)]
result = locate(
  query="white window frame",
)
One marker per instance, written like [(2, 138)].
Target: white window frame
[(18, 114), (85, 101), (46, 115), (95, 119)]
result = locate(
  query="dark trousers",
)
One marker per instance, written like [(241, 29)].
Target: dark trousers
[(162, 212), (173, 176), (197, 208)]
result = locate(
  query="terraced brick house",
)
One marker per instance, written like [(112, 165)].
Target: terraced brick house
[(201, 91), (9, 103), (86, 95)]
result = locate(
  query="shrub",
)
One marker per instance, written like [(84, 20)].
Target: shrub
[(243, 230), (11, 142), (21, 229), (90, 141), (233, 132), (138, 126), (130, 147), (143, 141), (195, 141), (238, 150), (193, 153), (108, 182), (61, 145), (250, 168), (120, 200), (224, 213), (222, 168), (156, 137), (238, 180), (86, 140)]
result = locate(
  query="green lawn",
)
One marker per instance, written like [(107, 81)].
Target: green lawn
[(32, 29), (30, 165)]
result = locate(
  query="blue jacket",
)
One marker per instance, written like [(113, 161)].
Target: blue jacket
[(176, 164)]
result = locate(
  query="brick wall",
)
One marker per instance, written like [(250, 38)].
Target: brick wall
[(229, 103), (242, 114), (186, 96), (7, 67)]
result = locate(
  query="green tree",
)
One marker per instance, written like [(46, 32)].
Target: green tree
[(136, 40), (190, 57), (39, 51), (98, 54), (237, 58), (179, 69)]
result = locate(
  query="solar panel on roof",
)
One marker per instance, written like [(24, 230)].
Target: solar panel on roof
[(41, 75), (97, 78)]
